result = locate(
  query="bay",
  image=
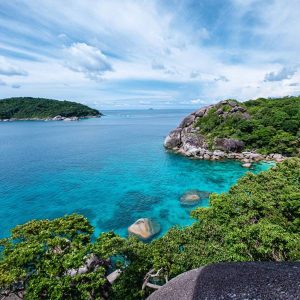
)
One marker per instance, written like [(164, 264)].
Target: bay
[(113, 170)]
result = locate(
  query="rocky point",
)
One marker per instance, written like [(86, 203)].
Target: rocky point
[(186, 139)]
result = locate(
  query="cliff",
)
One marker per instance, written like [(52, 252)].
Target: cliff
[(262, 129)]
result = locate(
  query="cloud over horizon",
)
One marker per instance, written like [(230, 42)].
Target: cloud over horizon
[(9, 69), (284, 73), (135, 54)]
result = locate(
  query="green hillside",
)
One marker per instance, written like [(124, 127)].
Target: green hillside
[(27, 107), (265, 125)]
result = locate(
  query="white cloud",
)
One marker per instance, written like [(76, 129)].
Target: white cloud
[(2, 83), (202, 33), (157, 66), (197, 101), (142, 41), (88, 60), (284, 73), (9, 69), (222, 78)]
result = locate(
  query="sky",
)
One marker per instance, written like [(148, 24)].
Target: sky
[(124, 54)]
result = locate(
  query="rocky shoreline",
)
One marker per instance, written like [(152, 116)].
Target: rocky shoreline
[(247, 157), (187, 140), (56, 118)]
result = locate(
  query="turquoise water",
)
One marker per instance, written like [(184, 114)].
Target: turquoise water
[(113, 170)]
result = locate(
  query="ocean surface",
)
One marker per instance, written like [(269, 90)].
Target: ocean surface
[(113, 170)]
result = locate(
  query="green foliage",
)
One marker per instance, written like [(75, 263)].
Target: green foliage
[(38, 254), (271, 126), (257, 220), (27, 107)]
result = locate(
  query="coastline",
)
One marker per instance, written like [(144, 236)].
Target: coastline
[(246, 157), (56, 118), (186, 139)]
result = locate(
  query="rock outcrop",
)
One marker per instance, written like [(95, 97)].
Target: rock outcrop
[(144, 228), (186, 139), (92, 262), (235, 280), (228, 145)]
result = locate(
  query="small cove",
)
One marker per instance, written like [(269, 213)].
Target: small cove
[(113, 170)]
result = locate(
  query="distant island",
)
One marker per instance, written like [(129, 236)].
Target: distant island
[(28, 108), (261, 129)]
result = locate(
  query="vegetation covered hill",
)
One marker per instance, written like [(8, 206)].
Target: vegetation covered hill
[(264, 125), (40, 108), (257, 220)]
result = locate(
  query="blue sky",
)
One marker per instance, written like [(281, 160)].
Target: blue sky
[(139, 54)]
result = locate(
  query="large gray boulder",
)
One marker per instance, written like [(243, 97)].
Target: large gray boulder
[(144, 228), (173, 139), (187, 121), (228, 145), (193, 138), (236, 281)]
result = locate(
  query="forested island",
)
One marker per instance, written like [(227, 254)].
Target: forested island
[(257, 220), (250, 131), (28, 108)]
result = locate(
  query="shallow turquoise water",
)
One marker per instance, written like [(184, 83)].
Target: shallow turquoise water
[(113, 170)]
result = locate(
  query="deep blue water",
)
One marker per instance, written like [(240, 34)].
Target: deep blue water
[(113, 170)]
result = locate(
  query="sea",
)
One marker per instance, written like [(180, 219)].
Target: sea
[(113, 170)]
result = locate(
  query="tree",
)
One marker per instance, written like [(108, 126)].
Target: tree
[(52, 260)]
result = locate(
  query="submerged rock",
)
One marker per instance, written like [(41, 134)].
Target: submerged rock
[(193, 197), (144, 228), (247, 165)]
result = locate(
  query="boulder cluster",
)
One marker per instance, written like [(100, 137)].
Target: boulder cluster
[(186, 139), (56, 118), (60, 118)]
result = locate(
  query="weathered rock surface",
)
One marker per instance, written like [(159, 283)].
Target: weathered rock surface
[(173, 140), (144, 228), (234, 281), (91, 263), (187, 140), (229, 145)]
